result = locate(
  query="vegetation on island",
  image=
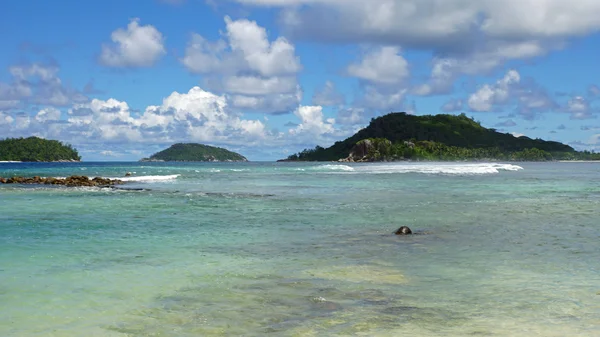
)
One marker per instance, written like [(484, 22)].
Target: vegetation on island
[(195, 152), (34, 149), (443, 137)]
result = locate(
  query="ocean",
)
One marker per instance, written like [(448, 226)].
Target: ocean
[(303, 249)]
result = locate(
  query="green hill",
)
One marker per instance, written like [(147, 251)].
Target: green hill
[(34, 149), (438, 137), (195, 152)]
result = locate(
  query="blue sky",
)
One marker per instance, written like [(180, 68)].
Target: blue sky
[(120, 80)]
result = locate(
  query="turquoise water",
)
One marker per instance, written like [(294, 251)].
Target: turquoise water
[(281, 249)]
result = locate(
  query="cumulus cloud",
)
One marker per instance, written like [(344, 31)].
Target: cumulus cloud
[(250, 85), (352, 116), (136, 46), (257, 73), (465, 36), (443, 25), (488, 96), (381, 99), (37, 83), (313, 122), (525, 96), (328, 96), (247, 49), (196, 115), (384, 65), (579, 108)]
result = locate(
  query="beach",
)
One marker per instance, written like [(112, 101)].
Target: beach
[(302, 249)]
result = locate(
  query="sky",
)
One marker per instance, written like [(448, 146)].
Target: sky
[(121, 80)]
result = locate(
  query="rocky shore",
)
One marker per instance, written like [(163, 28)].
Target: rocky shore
[(72, 181)]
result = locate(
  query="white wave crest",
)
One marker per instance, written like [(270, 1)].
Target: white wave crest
[(331, 167), (439, 168), (150, 178)]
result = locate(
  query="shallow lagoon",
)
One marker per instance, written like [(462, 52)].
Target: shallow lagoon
[(303, 249)]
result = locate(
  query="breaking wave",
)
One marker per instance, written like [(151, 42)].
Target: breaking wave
[(150, 178), (332, 167), (445, 169)]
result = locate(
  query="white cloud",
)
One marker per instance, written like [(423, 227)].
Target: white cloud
[(273, 103), (48, 114), (488, 96), (352, 116), (383, 65), (328, 96), (247, 49), (312, 122), (249, 85), (474, 36), (6, 119), (136, 46), (441, 23), (204, 57), (382, 99), (37, 84), (579, 108), (201, 116), (255, 73), (268, 59), (108, 153)]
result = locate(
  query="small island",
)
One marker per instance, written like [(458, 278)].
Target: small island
[(195, 153), (34, 149), (443, 137)]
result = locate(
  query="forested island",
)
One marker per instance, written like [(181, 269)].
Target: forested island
[(34, 149), (443, 137), (195, 152)]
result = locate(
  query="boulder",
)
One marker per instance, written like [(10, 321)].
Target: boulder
[(69, 181), (404, 230)]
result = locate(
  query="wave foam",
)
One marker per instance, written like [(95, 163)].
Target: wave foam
[(331, 167), (150, 178), (448, 169)]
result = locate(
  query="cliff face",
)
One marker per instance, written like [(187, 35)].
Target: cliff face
[(195, 152)]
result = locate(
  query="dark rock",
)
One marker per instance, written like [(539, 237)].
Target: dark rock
[(404, 230), (69, 181), (128, 174)]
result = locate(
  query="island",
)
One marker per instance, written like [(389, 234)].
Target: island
[(195, 152), (443, 137), (35, 149)]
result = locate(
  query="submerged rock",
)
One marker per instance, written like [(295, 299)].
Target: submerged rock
[(404, 230), (72, 181)]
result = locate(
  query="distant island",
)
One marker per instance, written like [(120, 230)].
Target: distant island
[(443, 137), (195, 152), (34, 149)]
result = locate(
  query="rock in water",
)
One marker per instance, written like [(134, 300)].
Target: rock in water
[(128, 174), (69, 181), (404, 230)]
